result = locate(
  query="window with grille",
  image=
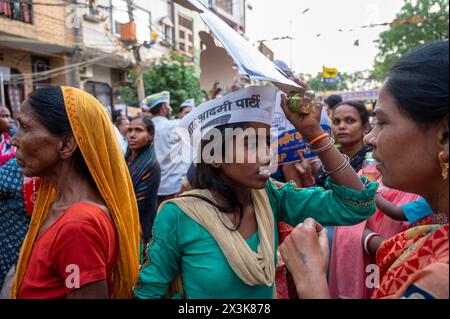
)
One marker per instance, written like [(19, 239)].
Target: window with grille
[(17, 10), (40, 65)]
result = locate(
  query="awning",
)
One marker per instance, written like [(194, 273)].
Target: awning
[(32, 45)]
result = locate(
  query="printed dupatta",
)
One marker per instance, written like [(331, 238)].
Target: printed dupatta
[(416, 258)]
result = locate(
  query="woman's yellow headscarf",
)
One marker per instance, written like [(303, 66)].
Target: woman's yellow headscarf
[(96, 139)]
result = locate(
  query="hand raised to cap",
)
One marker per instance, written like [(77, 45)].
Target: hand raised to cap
[(307, 124)]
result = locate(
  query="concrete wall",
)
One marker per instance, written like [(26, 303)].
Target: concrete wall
[(238, 15), (21, 61), (159, 9), (102, 74), (49, 25)]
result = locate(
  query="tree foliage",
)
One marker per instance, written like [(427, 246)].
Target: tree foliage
[(317, 84), (419, 22), (173, 74), (356, 81)]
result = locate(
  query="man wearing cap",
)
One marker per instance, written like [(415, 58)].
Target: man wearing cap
[(146, 111), (172, 173), (186, 107)]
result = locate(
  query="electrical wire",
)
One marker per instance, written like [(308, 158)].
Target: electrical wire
[(37, 76), (60, 69)]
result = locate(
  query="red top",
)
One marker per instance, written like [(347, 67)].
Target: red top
[(79, 248)]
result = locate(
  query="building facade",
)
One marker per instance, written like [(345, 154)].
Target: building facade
[(232, 12), (81, 42), (35, 48)]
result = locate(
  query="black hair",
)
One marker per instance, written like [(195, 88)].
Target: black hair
[(208, 177), (333, 100), (147, 122), (157, 109), (360, 107), (115, 116), (50, 108), (418, 82), (120, 120)]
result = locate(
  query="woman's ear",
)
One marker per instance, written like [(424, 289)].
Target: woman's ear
[(443, 137), (68, 146)]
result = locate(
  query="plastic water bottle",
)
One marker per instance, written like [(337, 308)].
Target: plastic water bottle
[(369, 168)]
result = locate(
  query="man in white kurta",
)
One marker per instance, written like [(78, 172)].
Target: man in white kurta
[(172, 172)]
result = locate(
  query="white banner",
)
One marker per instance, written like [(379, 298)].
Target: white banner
[(253, 104)]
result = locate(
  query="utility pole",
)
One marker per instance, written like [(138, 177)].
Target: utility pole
[(2, 90), (292, 45), (137, 56), (77, 54)]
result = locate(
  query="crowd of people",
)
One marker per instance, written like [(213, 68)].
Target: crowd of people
[(93, 204)]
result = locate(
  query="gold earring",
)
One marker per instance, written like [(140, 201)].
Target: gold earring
[(444, 166)]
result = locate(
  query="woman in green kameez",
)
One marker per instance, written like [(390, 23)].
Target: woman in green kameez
[(220, 240)]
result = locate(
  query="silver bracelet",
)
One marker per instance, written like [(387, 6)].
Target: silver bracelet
[(367, 241), (326, 147), (340, 168)]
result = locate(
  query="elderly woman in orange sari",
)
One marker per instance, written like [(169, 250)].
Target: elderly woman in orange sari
[(83, 240), (411, 142)]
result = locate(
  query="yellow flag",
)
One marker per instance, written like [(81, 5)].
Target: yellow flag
[(330, 73)]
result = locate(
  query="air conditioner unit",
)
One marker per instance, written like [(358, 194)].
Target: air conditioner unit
[(87, 72)]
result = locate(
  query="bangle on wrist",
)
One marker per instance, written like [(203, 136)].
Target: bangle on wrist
[(318, 139), (312, 132), (326, 147), (367, 242), (340, 168)]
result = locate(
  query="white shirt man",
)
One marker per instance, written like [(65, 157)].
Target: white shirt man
[(121, 123), (123, 142), (172, 172)]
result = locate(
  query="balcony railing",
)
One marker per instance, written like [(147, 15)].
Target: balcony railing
[(18, 10)]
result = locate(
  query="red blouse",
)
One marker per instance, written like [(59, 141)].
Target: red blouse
[(79, 248)]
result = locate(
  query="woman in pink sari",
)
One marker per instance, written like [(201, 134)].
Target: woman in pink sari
[(411, 144), (350, 265), (7, 151)]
